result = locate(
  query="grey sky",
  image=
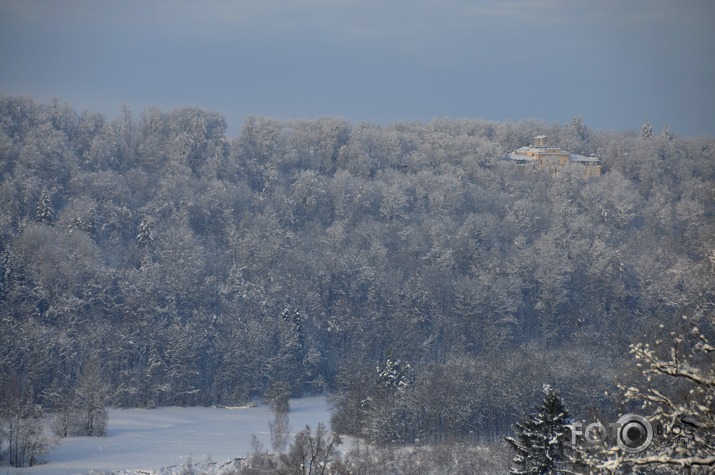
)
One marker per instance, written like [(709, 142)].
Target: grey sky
[(616, 63)]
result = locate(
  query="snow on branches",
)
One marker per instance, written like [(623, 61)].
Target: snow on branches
[(681, 397), (540, 443)]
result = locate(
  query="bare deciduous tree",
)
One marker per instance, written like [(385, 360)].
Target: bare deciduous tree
[(310, 454), (23, 427)]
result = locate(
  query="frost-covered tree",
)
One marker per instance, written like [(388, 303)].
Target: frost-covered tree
[(681, 393), (542, 439), (80, 410), (278, 397), (294, 321), (22, 426), (575, 136), (579, 127), (408, 240), (86, 223), (310, 454), (394, 374), (286, 366), (666, 133), (91, 396), (646, 130), (44, 213), (280, 431), (145, 239)]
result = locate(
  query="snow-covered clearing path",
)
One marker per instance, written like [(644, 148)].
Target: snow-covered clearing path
[(150, 439)]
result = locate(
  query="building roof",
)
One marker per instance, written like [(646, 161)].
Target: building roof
[(515, 156), (574, 157)]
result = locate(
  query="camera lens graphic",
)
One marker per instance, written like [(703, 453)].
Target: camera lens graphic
[(634, 433)]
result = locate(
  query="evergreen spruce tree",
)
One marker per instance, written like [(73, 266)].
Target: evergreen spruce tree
[(144, 236), (666, 133), (291, 350), (85, 223), (145, 242), (394, 374), (579, 127), (44, 213), (647, 130), (542, 439), (295, 321)]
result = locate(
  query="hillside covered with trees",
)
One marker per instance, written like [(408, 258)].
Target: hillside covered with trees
[(423, 281)]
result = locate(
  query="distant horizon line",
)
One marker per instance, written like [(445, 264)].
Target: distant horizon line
[(388, 123)]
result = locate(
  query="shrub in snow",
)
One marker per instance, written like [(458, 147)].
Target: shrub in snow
[(22, 428)]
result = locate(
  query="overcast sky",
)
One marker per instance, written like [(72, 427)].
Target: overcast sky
[(616, 63)]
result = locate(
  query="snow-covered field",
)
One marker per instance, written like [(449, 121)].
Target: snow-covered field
[(154, 440)]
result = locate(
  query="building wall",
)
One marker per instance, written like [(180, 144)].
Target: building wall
[(590, 171), (554, 157)]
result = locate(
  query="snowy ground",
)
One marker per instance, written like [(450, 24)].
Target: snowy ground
[(155, 440)]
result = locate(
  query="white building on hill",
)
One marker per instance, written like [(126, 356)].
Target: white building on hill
[(553, 157)]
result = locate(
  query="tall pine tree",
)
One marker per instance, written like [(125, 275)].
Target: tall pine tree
[(144, 236), (145, 242), (647, 130), (44, 213), (666, 133), (542, 439)]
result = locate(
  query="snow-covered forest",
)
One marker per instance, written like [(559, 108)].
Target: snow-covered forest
[(425, 283)]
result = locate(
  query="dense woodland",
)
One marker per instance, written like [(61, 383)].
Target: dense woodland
[(424, 282)]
